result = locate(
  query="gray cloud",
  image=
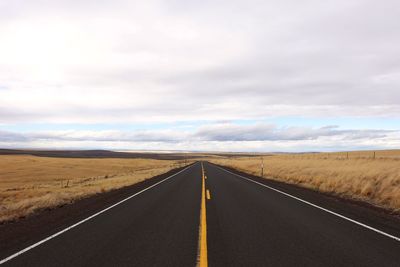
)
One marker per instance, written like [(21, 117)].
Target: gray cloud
[(217, 132), (187, 60), (9, 137), (262, 132)]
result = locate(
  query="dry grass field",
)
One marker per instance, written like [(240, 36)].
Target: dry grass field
[(30, 183), (369, 176)]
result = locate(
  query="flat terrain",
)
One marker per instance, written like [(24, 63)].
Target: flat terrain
[(250, 222), (369, 176), (31, 183)]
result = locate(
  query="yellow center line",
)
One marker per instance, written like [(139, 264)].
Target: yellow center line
[(208, 194), (203, 225)]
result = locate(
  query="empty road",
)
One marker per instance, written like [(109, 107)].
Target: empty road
[(207, 215)]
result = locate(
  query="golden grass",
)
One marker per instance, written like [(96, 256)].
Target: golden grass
[(29, 183), (360, 176)]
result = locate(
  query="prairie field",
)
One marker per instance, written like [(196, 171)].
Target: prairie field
[(369, 176), (30, 183)]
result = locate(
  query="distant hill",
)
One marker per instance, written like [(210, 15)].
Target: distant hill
[(94, 154)]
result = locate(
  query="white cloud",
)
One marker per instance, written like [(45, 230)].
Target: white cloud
[(169, 61), (136, 61)]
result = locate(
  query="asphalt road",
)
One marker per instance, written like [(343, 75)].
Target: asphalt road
[(250, 225), (247, 224), (159, 227)]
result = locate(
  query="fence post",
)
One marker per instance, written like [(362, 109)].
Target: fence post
[(262, 167)]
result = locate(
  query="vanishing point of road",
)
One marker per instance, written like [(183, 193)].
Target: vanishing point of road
[(206, 215)]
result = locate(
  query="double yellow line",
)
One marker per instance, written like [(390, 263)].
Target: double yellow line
[(203, 259)]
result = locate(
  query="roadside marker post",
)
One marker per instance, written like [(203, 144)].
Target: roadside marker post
[(262, 167)]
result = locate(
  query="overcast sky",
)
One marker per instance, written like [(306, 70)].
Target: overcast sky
[(283, 75)]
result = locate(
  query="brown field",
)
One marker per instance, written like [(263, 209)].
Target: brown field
[(30, 183), (358, 175)]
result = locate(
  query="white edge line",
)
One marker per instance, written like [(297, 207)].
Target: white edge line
[(87, 219), (318, 207)]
